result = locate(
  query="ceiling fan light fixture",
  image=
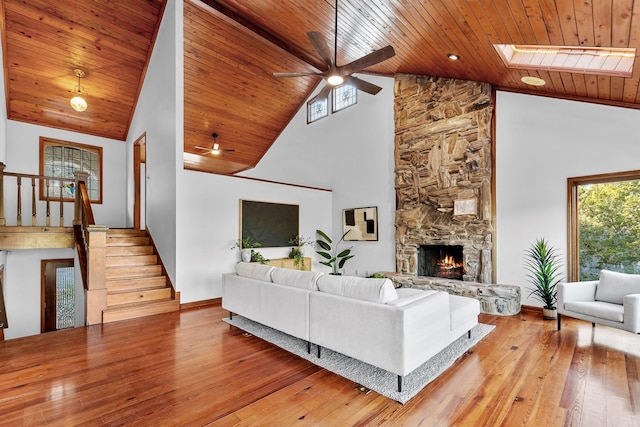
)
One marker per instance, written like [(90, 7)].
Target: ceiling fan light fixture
[(335, 80), (78, 101), (215, 150)]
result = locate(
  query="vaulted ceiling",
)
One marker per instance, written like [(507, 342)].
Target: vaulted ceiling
[(233, 47)]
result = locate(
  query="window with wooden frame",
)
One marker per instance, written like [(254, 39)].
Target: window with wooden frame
[(603, 224), (60, 159)]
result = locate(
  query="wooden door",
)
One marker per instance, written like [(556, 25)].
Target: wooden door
[(56, 289)]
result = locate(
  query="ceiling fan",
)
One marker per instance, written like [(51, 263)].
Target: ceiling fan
[(215, 148), (336, 75)]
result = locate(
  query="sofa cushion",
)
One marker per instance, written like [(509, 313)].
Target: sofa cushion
[(254, 270), (363, 288), (613, 286), (408, 295), (297, 278), (601, 310)]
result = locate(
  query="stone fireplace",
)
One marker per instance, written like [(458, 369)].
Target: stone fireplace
[(443, 175)]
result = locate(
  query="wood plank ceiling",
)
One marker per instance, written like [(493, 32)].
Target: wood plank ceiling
[(232, 47)]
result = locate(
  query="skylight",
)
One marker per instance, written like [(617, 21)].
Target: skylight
[(607, 61)]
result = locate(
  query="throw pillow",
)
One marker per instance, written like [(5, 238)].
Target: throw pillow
[(613, 286)]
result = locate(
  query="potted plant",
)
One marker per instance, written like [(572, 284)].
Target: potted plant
[(334, 259), (542, 264), (246, 246), (297, 252)]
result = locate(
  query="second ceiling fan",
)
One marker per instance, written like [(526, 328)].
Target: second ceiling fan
[(336, 75)]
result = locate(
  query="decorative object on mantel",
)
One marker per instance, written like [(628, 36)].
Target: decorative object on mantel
[(361, 222), (297, 252), (465, 207), (334, 259), (541, 261), (246, 246)]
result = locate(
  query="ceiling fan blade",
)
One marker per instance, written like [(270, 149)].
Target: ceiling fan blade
[(203, 148), (320, 45), (362, 85), (280, 75), (367, 61)]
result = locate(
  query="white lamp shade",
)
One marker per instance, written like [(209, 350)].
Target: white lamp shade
[(78, 103)]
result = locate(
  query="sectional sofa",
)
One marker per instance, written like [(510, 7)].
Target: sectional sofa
[(365, 318)]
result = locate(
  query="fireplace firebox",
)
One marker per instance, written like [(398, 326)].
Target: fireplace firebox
[(444, 261)]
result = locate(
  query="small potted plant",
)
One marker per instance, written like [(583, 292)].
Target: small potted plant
[(542, 264), (333, 258), (246, 246), (297, 252)]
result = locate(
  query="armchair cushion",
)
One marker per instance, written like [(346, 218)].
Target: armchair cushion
[(599, 309), (614, 286)]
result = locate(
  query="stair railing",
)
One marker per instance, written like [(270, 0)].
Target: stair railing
[(49, 186), (82, 220)]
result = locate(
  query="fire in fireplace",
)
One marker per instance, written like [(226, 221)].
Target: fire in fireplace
[(441, 261)]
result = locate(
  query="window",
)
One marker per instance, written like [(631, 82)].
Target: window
[(317, 109), (604, 224), (61, 159), (341, 96), (344, 96)]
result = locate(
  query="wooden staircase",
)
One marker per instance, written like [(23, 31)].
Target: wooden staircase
[(135, 281)]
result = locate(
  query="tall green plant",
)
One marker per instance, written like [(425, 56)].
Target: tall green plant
[(334, 259), (542, 264)]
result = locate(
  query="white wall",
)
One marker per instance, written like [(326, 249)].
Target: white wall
[(540, 142), (23, 156), (159, 113), (351, 153), (23, 288), (209, 226)]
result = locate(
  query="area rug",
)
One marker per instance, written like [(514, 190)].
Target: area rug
[(369, 376)]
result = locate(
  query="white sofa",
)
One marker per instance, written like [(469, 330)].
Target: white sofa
[(364, 318), (614, 300)]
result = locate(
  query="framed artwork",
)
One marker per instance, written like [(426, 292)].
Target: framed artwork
[(271, 224), (360, 223)]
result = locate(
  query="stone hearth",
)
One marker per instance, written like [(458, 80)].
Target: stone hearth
[(502, 300), (444, 171)]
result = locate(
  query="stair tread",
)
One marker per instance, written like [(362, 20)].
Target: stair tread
[(139, 309)]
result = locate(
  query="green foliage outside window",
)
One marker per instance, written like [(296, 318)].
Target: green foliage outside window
[(609, 228)]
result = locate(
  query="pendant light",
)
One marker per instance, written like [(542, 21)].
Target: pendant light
[(78, 102)]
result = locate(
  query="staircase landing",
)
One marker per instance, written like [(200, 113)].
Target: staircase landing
[(136, 284)]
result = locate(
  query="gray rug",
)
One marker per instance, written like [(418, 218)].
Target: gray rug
[(362, 373)]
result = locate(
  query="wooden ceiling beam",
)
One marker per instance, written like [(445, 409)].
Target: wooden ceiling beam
[(265, 34)]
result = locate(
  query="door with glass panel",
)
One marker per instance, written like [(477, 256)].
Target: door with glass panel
[(58, 295)]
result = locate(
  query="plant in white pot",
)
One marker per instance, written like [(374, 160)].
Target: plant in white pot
[(333, 258), (246, 246), (542, 263)]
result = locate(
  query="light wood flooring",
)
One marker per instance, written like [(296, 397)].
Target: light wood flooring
[(190, 369)]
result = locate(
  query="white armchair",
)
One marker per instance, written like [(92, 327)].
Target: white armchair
[(614, 300)]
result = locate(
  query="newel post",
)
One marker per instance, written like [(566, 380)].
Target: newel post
[(77, 211), (96, 287), (3, 221)]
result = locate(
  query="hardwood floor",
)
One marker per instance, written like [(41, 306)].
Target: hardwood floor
[(190, 368)]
